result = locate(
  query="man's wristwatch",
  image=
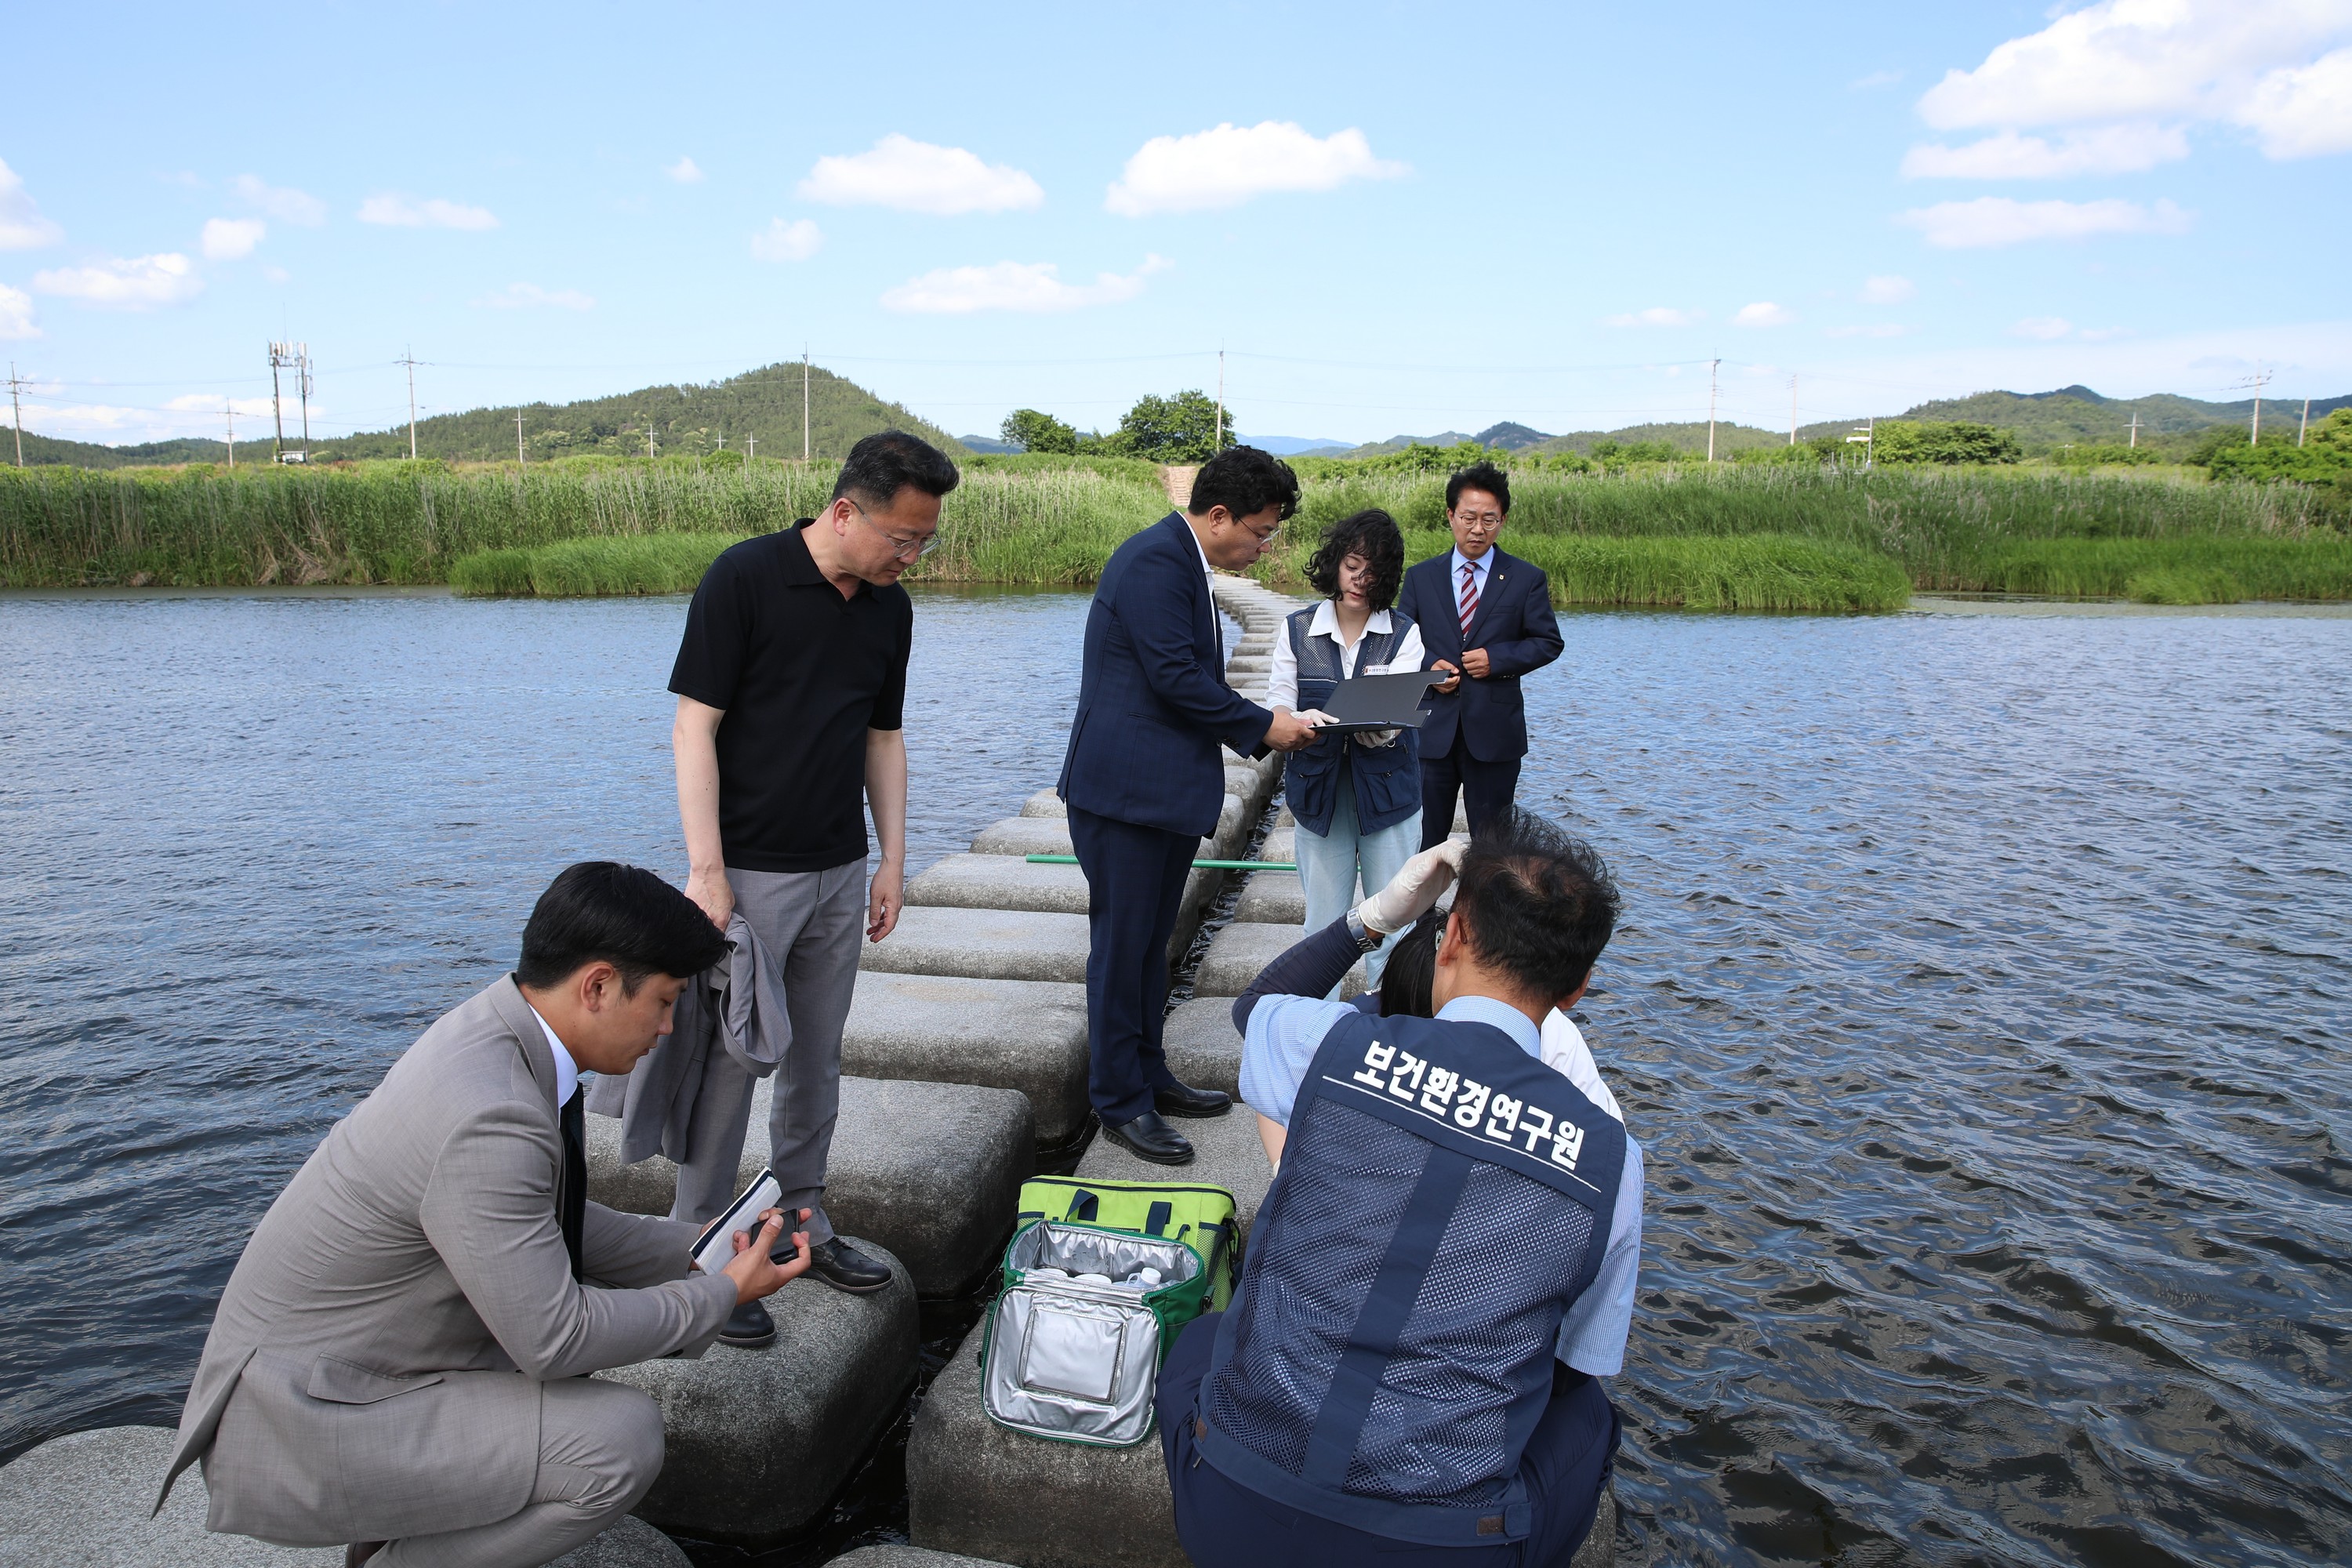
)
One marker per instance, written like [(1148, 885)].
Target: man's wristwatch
[(1365, 937)]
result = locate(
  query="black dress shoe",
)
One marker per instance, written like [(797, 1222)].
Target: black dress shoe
[(747, 1327), (844, 1268), (1148, 1137), (1183, 1100)]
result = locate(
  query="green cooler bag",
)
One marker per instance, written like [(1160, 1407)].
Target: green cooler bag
[(1200, 1216)]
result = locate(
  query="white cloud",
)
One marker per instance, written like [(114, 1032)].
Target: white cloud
[(2245, 62), (531, 297), (21, 227), (782, 241), (232, 238), (1763, 313), (1032, 286), (95, 416), (685, 171), (912, 177), (406, 212), (2042, 329), (16, 315), (281, 202), (1656, 316), (1228, 166), (2104, 149), (1872, 330), (2002, 220), (1888, 290), (2303, 113), (141, 283), (247, 407)]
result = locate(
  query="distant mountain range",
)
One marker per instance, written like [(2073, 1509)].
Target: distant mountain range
[(765, 406)]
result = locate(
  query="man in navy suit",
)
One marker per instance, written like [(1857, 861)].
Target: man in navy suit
[(1144, 781), (1486, 615)]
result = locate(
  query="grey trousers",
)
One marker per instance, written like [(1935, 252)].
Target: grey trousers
[(812, 921), (599, 1449)]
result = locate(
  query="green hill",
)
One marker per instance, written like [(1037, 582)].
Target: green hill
[(684, 421)]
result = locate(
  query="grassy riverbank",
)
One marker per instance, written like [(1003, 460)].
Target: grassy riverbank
[(1770, 538)]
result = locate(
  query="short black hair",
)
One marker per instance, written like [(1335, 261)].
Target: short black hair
[(1407, 981), (1481, 476), (1245, 481), (1372, 534), (603, 911), (1537, 902), (880, 466)]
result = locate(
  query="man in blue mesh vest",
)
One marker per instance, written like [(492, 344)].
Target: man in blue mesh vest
[(1445, 1263)]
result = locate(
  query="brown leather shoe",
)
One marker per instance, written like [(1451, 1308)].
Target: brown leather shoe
[(359, 1551)]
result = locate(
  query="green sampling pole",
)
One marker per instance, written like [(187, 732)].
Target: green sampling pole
[(1197, 865)]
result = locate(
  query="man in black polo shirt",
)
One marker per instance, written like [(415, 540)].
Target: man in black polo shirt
[(790, 681)]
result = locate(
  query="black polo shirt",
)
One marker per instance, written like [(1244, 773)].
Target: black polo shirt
[(801, 673)]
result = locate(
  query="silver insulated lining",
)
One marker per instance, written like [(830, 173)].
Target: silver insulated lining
[(1075, 1361)]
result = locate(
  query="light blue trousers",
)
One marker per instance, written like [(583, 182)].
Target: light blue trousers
[(1329, 863)]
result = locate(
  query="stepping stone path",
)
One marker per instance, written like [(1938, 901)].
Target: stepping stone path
[(81, 1502)]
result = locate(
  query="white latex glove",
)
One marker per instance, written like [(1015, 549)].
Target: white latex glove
[(1313, 716), (1413, 891), (1375, 738)]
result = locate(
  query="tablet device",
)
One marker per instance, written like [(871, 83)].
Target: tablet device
[(715, 1248), (1367, 702)]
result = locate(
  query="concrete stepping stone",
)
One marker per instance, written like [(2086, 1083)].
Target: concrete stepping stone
[(1044, 803), (1203, 1048), (929, 1173), (1273, 897), (1023, 1034), (908, 1557), (1227, 1153), (1282, 838), (1239, 952), (989, 1492), (985, 944), (1025, 836), (757, 1441), (81, 1502), (1000, 882)]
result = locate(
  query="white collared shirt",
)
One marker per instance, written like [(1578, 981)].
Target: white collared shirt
[(1454, 574), (1282, 681), (567, 1072), (1206, 570)]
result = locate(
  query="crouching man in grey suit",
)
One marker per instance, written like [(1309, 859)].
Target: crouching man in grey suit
[(402, 1353)]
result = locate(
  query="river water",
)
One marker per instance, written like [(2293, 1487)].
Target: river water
[(1980, 1003)]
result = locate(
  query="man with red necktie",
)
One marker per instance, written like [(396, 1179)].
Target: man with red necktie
[(1485, 616)]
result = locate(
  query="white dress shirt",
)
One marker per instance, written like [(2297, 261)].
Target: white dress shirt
[(1454, 576), (1282, 683), (567, 1072)]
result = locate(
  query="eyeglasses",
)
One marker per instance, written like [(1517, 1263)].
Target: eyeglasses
[(904, 549), (1487, 523)]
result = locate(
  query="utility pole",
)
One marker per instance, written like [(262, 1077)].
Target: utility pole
[(1217, 444), (804, 407), (2258, 381), (1711, 366), (303, 386), (1792, 411), (228, 412), (2134, 429), (519, 458), (408, 358), (2305, 428), (283, 356), (17, 407), (751, 450)]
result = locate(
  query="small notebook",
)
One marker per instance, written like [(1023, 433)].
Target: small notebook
[(715, 1248)]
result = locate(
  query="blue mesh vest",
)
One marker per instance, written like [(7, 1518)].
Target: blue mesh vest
[(1443, 1199), (1386, 779)]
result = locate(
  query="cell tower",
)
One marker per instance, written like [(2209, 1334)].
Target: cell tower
[(295, 357)]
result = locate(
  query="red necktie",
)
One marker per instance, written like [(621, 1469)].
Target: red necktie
[(1469, 595)]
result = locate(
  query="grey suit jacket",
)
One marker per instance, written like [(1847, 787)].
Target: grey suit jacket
[(373, 1370)]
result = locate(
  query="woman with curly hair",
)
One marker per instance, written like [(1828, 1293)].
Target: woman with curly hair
[(1357, 798)]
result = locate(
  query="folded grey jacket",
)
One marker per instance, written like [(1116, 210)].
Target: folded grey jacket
[(730, 1016)]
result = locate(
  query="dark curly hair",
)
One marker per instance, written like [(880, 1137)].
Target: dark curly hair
[(1372, 534)]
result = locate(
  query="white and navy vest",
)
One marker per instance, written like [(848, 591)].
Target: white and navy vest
[(1443, 1199), (1386, 779)]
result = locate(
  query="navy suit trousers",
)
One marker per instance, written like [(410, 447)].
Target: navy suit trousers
[(1486, 789), (1566, 1463), (1135, 885)]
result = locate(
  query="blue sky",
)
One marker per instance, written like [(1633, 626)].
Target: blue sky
[(1415, 217)]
